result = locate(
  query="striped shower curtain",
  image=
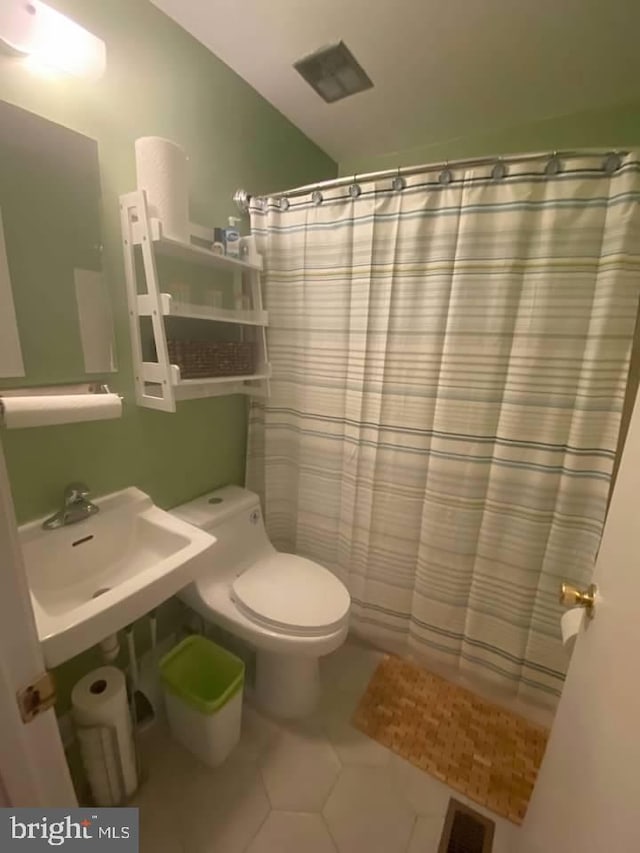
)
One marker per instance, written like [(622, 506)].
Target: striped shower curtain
[(449, 366)]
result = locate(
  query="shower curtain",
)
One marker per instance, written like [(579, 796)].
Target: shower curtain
[(449, 364)]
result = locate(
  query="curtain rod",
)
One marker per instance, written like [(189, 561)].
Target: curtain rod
[(242, 198)]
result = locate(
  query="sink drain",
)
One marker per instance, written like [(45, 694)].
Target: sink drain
[(100, 591)]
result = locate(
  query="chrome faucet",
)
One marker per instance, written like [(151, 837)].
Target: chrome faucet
[(77, 507)]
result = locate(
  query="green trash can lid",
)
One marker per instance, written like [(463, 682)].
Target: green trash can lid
[(202, 674)]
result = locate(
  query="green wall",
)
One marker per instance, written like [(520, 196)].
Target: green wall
[(606, 127), (159, 81)]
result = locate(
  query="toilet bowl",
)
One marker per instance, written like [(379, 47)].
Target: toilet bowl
[(291, 610)]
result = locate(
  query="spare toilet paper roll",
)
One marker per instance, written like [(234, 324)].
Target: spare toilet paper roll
[(100, 699), (571, 624), (162, 171), (47, 409)]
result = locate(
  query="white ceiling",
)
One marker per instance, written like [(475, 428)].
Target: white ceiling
[(441, 68)]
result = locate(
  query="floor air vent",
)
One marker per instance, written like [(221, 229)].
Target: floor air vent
[(466, 830)]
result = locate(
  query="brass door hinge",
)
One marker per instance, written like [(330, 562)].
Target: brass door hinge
[(36, 697)]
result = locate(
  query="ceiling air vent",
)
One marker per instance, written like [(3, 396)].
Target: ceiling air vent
[(334, 72)]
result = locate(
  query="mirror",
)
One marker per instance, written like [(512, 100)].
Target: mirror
[(55, 318)]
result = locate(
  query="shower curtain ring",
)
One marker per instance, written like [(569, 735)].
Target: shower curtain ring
[(499, 170), (612, 162), (445, 176), (398, 183), (554, 165), (355, 189), (316, 197)]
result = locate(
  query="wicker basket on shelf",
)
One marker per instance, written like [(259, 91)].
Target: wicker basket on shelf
[(199, 359)]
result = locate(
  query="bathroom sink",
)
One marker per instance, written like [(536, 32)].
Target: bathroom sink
[(92, 578)]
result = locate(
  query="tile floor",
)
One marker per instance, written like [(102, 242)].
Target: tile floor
[(317, 786)]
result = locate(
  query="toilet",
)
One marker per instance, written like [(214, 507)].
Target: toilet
[(291, 610)]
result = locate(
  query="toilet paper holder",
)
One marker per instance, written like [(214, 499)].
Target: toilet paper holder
[(571, 596)]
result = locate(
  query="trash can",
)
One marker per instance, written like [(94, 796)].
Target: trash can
[(203, 686)]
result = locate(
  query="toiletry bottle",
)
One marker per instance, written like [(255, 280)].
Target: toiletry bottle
[(219, 239), (248, 251), (232, 238)]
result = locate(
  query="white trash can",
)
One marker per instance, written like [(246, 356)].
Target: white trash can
[(203, 686)]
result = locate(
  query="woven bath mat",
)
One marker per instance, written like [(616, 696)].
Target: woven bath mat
[(489, 754)]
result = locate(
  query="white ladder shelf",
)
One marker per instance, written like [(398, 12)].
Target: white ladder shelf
[(159, 384)]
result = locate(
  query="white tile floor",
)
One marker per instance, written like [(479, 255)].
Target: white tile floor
[(319, 786)]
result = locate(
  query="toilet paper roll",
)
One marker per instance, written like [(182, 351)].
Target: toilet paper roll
[(162, 171), (100, 699), (570, 625), (47, 409)]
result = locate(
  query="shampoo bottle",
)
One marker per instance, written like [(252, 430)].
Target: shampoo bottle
[(232, 238)]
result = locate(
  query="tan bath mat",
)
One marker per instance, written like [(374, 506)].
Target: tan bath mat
[(489, 754)]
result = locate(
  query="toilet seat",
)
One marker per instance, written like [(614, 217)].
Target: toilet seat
[(291, 594)]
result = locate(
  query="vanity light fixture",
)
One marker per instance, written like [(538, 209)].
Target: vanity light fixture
[(34, 29)]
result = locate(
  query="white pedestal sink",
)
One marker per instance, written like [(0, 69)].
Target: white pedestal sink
[(91, 579)]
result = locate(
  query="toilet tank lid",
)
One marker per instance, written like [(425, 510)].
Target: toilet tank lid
[(210, 510)]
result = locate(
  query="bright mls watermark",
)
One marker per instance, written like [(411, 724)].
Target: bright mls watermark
[(69, 829)]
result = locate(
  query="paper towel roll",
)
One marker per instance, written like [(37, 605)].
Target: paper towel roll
[(101, 760), (100, 699), (48, 409), (571, 624), (162, 171)]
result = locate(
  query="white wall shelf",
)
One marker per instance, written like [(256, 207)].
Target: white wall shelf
[(171, 307), (190, 389), (159, 384), (190, 252), (207, 386)]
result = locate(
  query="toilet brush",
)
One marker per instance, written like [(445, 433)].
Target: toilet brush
[(141, 707)]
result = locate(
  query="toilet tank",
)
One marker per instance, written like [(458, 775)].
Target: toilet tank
[(233, 515)]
